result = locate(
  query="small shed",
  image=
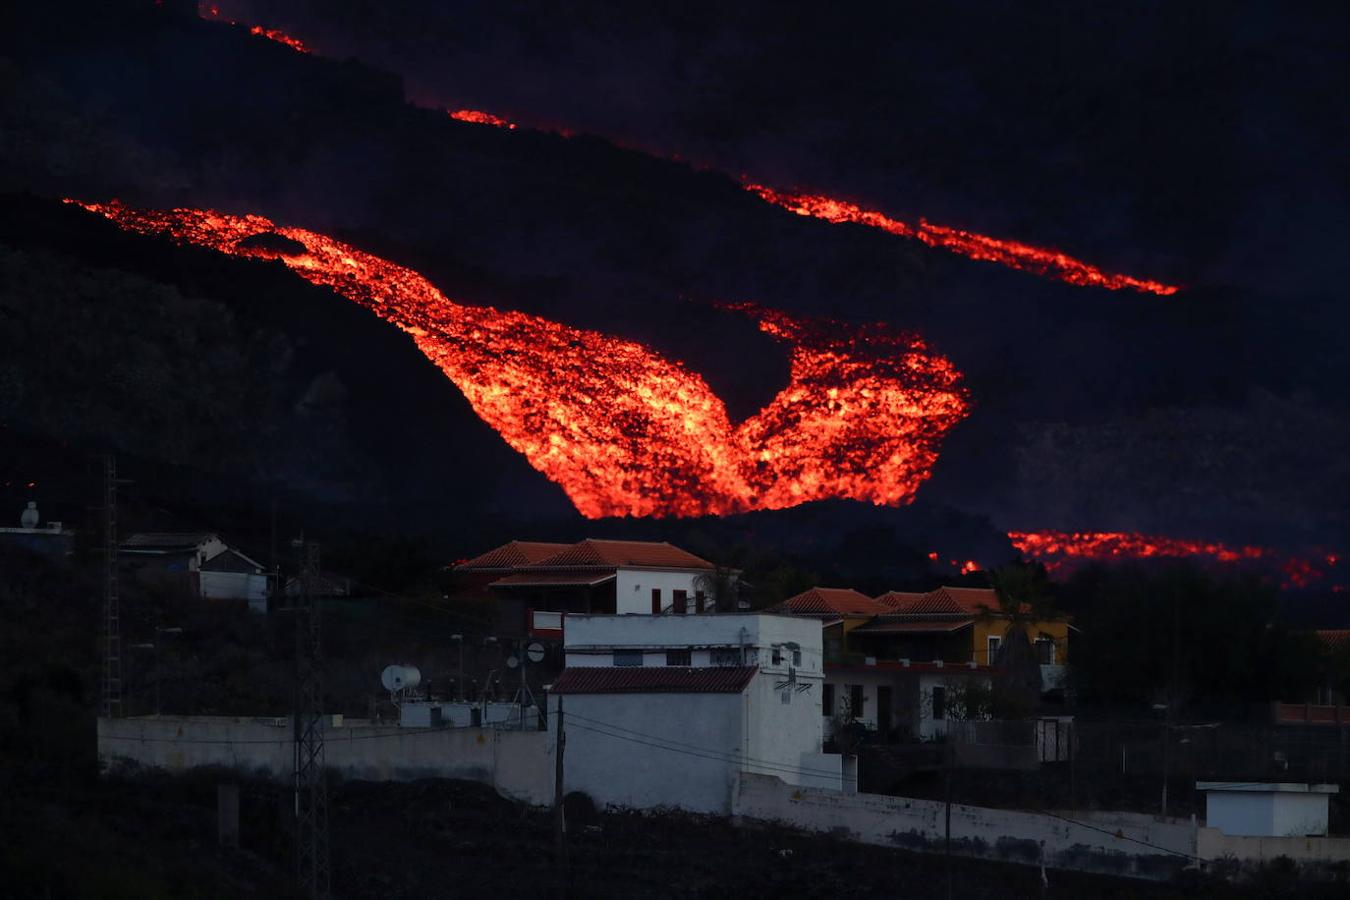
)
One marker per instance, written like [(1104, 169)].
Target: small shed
[(1270, 809)]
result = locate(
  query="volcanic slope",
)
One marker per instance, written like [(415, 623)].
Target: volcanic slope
[(623, 430)]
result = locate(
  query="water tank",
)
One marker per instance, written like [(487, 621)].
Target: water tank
[(29, 517), (399, 678)]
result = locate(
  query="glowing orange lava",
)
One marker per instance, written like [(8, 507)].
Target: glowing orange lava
[(621, 429), (1061, 550), (211, 11), (1015, 255), (478, 117)]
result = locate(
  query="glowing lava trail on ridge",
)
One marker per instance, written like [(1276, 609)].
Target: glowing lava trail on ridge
[(621, 429), (1013, 254), (1060, 551), (1041, 261)]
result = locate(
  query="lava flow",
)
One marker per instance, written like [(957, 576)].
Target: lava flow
[(212, 12), (1013, 254), (478, 117), (1060, 551), (621, 429)]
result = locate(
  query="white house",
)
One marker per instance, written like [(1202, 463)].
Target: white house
[(535, 584), (233, 576), (198, 562), (1267, 810), (667, 711)]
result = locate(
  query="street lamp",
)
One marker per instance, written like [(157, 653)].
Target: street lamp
[(1166, 709), (459, 682)]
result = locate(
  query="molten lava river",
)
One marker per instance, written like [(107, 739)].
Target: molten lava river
[(621, 429)]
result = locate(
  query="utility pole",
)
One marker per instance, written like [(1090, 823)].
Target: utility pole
[(110, 693), (947, 841), (559, 816), (311, 789)]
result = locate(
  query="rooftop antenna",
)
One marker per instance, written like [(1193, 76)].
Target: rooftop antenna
[(311, 787), (524, 654)]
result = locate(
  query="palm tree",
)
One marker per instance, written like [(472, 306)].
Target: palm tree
[(721, 586), (1023, 592)]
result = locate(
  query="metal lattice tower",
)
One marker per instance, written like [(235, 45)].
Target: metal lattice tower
[(111, 683), (311, 787)]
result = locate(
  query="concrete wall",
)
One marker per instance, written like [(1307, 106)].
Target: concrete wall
[(1255, 813), (236, 586), (1004, 835), (654, 750), (1311, 854), (518, 764), (633, 589), (602, 633)]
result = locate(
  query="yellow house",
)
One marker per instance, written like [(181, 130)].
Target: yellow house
[(958, 624)]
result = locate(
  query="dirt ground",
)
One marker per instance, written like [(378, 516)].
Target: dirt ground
[(153, 836)]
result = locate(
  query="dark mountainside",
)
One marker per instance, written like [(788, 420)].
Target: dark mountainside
[(1225, 392)]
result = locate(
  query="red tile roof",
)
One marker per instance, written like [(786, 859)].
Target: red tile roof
[(653, 680), (889, 625), (612, 554), (1334, 640), (832, 602), (513, 555), (552, 579), (944, 601)]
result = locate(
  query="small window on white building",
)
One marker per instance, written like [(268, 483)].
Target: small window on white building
[(777, 656), (1045, 650), (725, 656), (627, 657), (679, 658), (796, 657), (939, 703)]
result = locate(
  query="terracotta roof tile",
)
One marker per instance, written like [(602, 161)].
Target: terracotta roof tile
[(890, 625), (831, 601), (1334, 640), (542, 578), (653, 680), (513, 555), (943, 601), (612, 554)]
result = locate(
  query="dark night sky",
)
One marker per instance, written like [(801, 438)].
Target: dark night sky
[(1202, 144)]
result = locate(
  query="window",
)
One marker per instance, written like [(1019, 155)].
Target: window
[(681, 602), (994, 643), (855, 700), (656, 601), (939, 704), (834, 649), (1045, 650), (679, 658), (796, 657), (777, 656), (827, 701), (726, 656), (627, 657), (700, 600)]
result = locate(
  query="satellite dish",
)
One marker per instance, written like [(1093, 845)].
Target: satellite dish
[(512, 662), (535, 652), (400, 678)]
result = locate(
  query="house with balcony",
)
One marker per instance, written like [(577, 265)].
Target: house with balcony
[(534, 585), (197, 563), (904, 664), (669, 711)]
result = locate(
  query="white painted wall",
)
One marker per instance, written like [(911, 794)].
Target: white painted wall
[(653, 750), (589, 639), (911, 696), (518, 764), (1005, 835), (236, 586), (1297, 812), (633, 588)]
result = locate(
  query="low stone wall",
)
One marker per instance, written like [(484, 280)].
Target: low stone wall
[(996, 834), (1316, 857), (518, 764)]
